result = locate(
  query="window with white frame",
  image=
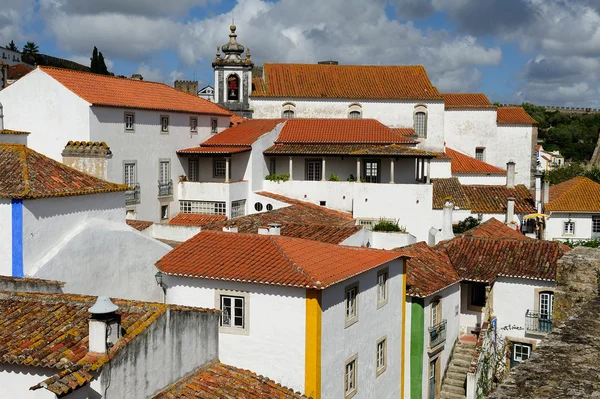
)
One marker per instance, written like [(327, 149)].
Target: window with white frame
[(569, 227), (354, 115), (371, 171), (351, 305), (355, 111), (219, 167), (192, 169), (203, 207), (130, 178), (164, 124), (193, 124), (232, 311), (420, 121), (381, 356), (350, 377), (436, 312), (129, 121), (521, 352), (213, 125), (382, 287), (288, 111), (546, 305), (480, 154), (164, 212), (238, 208), (164, 172)]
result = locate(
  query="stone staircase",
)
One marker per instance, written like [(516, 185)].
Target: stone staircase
[(453, 386)]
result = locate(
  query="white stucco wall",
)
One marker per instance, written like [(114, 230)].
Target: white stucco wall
[(171, 232), (515, 143), (338, 195), (390, 113), (440, 168), (339, 343), (467, 129), (52, 114), (485, 180), (512, 297), (468, 318), (5, 237), (15, 381), (555, 226), (275, 344), (389, 240)]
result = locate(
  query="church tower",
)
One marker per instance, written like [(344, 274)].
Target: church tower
[(233, 76)]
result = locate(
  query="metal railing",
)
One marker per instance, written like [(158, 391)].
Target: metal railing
[(437, 334), (132, 197), (165, 188), (537, 323)]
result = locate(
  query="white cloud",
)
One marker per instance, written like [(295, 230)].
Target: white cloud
[(151, 74), (14, 16)]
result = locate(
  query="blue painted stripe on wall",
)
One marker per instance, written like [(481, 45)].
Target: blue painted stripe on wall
[(17, 238)]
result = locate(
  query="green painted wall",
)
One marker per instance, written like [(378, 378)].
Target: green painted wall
[(417, 342)]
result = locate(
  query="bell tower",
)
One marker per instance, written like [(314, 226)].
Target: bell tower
[(233, 76)]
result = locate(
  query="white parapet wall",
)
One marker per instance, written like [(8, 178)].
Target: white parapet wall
[(171, 232), (336, 194)]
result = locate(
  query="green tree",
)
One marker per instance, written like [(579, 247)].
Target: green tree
[(12, 46), (97, 64), (94, 60), (465, 225), (31, 49), (102, 69)]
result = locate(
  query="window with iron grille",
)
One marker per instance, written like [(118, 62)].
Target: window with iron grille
[(192, 169), (421, 124), (354, 115), (595, 224), (288, 114), (203, 207), (480, 154), (238, 208)]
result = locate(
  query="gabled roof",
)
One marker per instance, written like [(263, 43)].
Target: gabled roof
[(493, 199), (493, 228), (195, 219), (17, 71), (428, 270), (217, 381), (579, 194), (110, 91), (514, 116), (268, 259), (26, 174), (449, 188), (368, 82), (484, 259), (139, 225), (391, 150), (466, 100), (464, 164)]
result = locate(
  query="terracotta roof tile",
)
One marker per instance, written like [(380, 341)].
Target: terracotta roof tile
[(466, 100), (243, 134), (212, 150), (8, 131), (464, 164), (195, 219), (110, 91), (345, 82), (579, 194), (218, 381), (449, 188), (493, 199), (321, 211), (514, 116), (428, 271), (262, 259), (404, 131), (26, 174), (235, 119), (17, 71), (139, 224), (493, 228), (339, 131), (347, 149), (484, 259)]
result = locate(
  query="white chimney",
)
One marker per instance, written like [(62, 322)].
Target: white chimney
[(230, 229), (538, 191), (263, 230), (546, 190), (510, 174), (105, 325), (446, 233), (510, 210), (274, 229)]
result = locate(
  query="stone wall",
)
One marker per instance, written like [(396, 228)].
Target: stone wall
[(188, 86)]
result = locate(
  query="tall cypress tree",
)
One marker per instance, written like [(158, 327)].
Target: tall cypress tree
[(94, 59), (102, 69)]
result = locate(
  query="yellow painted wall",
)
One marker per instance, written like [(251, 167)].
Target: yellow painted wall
[(312, 374)]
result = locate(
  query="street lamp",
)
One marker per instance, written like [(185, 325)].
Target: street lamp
[(159, 278)]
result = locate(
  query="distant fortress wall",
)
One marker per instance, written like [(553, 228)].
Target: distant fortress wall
[(566, 110)]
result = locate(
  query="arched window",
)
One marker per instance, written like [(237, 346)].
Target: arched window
[(233, 87), (288, 111), (420, 121), (354, 111)]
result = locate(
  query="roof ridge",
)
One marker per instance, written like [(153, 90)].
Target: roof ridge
[(43, 67), (25, 173), (291, 263)]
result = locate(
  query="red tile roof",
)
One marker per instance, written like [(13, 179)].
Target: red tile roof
[(212, 150), (26, 174), (243, 134), (393, 150), (404, 131), (428, 271), (579, 194), (484, 259), (464, 164), (466, 100), (139, 224), (340, 131), (397, 82), (195, 219), (110, 91), (449, 188), (8, 131), (17, 71), (493, 228), (219, 381), (514, 116), (493, 199), (262, 259), (235, 119), (322, 213)]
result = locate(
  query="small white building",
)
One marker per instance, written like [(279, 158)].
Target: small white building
[(144, 123), (573, 210), (324, 319), (547, 160), (10, 57)]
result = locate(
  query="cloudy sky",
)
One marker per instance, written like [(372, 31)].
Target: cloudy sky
[(542, 51)]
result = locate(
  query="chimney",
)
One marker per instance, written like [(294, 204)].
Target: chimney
[(230, 229), (137, 76), (88, 157), (105, 325), (1, 117), (546, 190), (328, 62), (446, 233), (4, 75), (274, 229), (538, 191), (263, 230), (510, 174), (510, 210)]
